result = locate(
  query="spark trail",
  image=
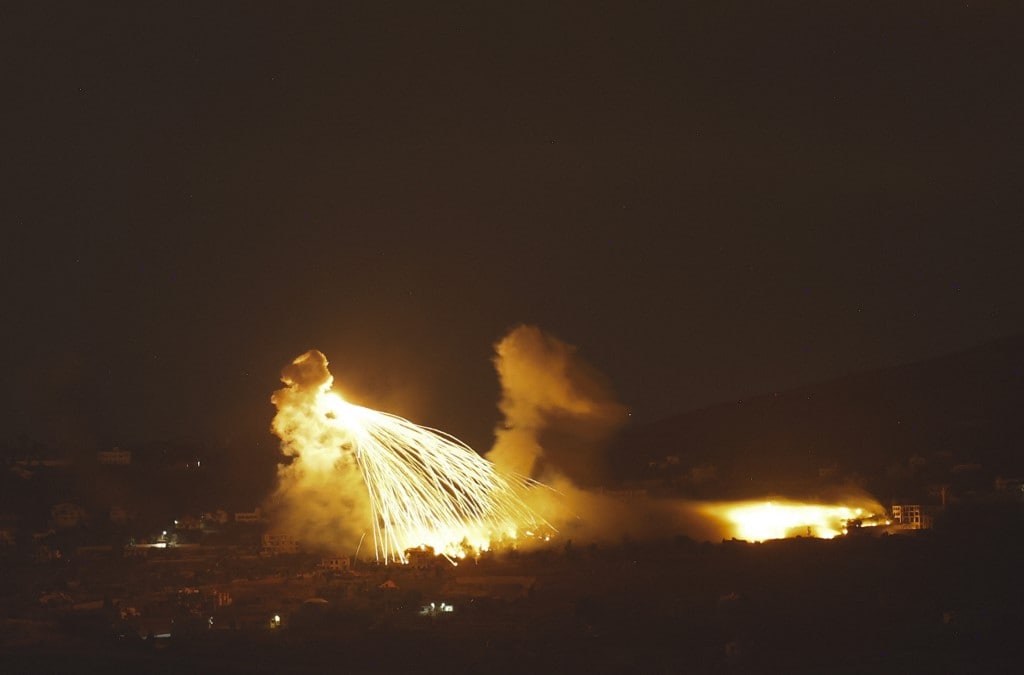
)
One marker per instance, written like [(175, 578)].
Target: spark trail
[(423, 487)]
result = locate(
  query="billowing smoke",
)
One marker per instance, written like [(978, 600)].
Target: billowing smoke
[(321, 498), (558, 410), (559, 414), (355, 470)]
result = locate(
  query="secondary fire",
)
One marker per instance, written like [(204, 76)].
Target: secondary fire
[(779, 519), (419, 487)]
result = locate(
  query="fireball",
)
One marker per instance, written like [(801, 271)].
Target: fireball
[(774, 519)]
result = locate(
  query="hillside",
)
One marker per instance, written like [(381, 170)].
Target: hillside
[(952, 420)]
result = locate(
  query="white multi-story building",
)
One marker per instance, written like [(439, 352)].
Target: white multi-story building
[(908, 515)]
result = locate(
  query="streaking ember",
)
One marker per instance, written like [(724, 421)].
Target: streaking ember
[(779, 519), (419, 487)]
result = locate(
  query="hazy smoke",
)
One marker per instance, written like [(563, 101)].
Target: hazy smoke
[(558, 410), (559, 413), (321, 497)]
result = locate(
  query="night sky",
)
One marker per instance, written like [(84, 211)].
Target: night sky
[(710, 199)]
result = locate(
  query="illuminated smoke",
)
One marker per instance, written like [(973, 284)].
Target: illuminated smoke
[(321, 498), (558, 415), (355, 470), (548, 390)]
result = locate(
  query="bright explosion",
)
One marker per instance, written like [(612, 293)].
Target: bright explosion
[(424, 487), (763, 520), (353, 471)]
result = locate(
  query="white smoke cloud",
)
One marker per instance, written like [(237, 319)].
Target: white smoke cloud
[(559, 414), (321, 498)]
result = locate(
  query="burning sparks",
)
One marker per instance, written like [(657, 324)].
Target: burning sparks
[(424, 487), (759, 521)]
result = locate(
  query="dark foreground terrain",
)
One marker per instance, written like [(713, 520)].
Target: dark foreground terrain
[(949, 600)]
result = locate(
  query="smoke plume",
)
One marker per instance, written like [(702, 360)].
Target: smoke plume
[(559, 414), (558, 410), (321, 498)]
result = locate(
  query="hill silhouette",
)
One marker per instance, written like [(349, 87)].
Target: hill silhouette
[(953, 420)]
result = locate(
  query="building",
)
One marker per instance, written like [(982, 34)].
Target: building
[(336, 563), (250, 517), (908, 515), (117, 456), (188, 523), (218, 517), (422, 557), (276, 543)]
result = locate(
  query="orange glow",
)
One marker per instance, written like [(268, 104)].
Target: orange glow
[(422, 487), (779, 519)]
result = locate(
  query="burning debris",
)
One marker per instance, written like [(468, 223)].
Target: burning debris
[(355, 469), (778, 519)]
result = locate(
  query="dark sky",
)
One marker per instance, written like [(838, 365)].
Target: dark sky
[(709, 199)]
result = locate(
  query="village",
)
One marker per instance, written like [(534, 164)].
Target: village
[(120, 580)]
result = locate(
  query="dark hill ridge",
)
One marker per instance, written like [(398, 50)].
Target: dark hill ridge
[(953, 418)]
